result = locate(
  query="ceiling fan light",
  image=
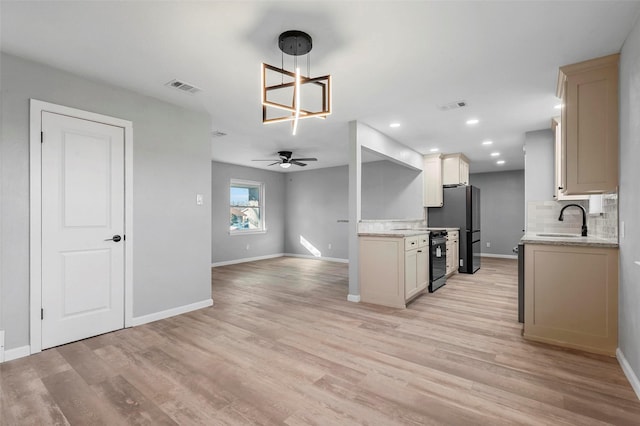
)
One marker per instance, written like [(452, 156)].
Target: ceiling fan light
[(285, 165)]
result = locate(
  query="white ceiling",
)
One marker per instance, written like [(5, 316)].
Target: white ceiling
[(389, 61)]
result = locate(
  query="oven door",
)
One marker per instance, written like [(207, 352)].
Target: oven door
[(437, 264)]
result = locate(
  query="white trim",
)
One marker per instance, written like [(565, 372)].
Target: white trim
[(246, 259), (15, 353), (35, 212), (1, 346), (353, 298), (309, 256), (273, 256), (628, 371), (500, 256), (171, 312)]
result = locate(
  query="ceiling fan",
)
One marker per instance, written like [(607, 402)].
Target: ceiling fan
[(285, 161)]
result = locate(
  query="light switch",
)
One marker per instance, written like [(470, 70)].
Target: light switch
[(199, 199)]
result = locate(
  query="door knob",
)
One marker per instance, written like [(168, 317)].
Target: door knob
[(115, 238)]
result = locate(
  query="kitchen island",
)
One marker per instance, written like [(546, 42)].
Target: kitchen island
[(571, 291), (394, 266)]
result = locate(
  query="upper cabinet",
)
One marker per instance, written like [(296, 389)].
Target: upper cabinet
[(589, 126), (432, 172), (455, 169)]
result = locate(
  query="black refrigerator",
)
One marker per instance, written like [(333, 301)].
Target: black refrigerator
[(461, 209)]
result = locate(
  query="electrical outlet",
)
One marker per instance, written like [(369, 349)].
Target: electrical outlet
[(199, 199), (248, 246), (488, 243), (329, 246)]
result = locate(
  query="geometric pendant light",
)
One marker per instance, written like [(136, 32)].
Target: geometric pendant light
[(289, 95)]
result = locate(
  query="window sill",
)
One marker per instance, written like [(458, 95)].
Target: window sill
[(251, 232)]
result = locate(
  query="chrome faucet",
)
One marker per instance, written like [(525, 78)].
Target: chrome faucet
[(584, 217)]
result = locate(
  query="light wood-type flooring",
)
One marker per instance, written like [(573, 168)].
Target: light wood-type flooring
[(283, 346)]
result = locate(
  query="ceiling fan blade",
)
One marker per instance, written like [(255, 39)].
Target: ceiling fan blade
[(304, 159), (273, 164), (273, 159), (297, 163)]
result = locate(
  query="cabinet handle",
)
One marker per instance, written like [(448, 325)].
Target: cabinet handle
[(560, 187)]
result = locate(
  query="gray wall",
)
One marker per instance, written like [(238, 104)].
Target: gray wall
[(171, 164), (309, 204), (391, 191), (226, 247), (501, 209), (629, 200), (316, 200)]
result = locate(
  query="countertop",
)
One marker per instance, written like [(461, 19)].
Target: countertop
[(395, 233), (400, 233), (564, 240)]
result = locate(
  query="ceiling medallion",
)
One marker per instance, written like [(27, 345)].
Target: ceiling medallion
[(289, 91)]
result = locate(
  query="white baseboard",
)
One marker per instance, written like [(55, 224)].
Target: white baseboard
[(353, 298), (171, 312), (1, 345), (272, 256), (500, 256), (246, 259), (628, 371), (15, 353), (308, 256)]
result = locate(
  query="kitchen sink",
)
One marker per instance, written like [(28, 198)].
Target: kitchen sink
[(558, 235)]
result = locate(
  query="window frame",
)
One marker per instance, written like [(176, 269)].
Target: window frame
[(261, 206)]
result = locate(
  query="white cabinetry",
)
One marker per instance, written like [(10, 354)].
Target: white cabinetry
[(452, 252), (432, 172), (571, 296), (455, 169), (589, 132), (393, 270)]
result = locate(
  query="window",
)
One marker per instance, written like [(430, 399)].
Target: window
[(246, 207)]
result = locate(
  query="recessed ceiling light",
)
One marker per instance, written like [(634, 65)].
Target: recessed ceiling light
[(500, 162), (487, 143), (394, 125), (559, 106), (473, 121), (434, 150), (495, 154)]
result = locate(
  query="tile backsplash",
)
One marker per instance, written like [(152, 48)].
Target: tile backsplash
[(386, 225), (542, 216)]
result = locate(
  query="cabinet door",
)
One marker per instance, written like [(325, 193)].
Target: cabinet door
[(455, 256), (410, 273), (591, 129), (423, 268), (464, 172), (432, 172), (450, 171)]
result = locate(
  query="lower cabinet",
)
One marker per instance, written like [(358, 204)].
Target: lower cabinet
[(453, 252), (393, 270), (571, 296)]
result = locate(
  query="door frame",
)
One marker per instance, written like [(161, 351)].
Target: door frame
[(37, 107)]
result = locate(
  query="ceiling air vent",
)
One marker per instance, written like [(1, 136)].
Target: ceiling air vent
[(183, 86), (452, 105)]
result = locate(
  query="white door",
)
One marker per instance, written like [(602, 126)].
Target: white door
[(82, 218)]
